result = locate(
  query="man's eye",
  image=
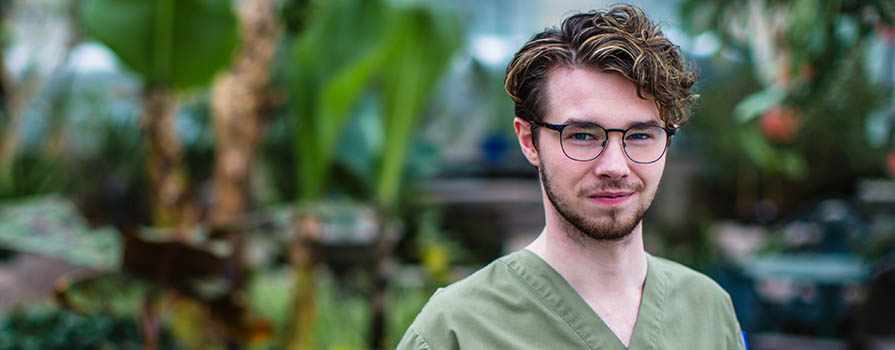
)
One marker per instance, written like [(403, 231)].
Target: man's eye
[(640, 136), (582, 136)]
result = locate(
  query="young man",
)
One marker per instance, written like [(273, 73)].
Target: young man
[(597, 103)]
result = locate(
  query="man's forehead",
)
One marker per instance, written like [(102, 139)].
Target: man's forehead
[(580, 95), (564, 77)]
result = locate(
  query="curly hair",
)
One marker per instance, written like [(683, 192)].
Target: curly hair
[(621, 39)]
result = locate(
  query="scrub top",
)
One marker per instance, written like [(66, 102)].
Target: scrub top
[(520, 302)]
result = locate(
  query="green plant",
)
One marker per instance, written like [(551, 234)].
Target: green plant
[(171, 45), (390, 56), (40, 327), (356, 49), (794, 126), (175, 43)]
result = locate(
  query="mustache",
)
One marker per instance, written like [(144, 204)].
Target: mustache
[(611, 185)]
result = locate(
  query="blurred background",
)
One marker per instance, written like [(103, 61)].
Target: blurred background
[(297, 174)]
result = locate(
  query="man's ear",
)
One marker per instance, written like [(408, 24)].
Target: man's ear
[(523, 133)]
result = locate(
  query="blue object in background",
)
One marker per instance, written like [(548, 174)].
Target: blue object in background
[(495, 147)]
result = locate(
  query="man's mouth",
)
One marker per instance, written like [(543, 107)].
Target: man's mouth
[(611, 197)]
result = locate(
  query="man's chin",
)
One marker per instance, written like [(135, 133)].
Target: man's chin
[(612, 225), (610, 233)]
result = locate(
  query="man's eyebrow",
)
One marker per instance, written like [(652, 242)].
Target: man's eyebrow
[(579, 121), (651, 122), (644, 123)]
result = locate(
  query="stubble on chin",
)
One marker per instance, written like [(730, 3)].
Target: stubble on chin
[(614, 227)]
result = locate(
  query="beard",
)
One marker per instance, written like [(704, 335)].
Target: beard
[(615, 225)]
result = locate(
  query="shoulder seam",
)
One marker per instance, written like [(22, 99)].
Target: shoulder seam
[(541, 297)]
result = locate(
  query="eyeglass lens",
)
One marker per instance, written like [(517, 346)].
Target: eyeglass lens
[(643, 144)]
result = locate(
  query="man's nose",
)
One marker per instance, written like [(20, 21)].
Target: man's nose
[(613, 162)]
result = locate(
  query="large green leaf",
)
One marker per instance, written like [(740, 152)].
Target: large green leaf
[(423, 43), (334, 61), (178, 43), (351, 48)]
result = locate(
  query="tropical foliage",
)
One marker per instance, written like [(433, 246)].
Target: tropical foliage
[(804, 99), (209, 65)]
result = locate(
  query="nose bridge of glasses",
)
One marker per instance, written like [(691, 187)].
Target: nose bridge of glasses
[(607, 142), (621, 137)]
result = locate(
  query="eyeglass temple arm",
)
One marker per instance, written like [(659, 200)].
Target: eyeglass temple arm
[(557, 127)]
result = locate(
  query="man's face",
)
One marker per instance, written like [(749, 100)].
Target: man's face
[(604, 198)]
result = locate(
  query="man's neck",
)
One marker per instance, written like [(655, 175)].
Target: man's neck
[(594, 267), (608, 275)]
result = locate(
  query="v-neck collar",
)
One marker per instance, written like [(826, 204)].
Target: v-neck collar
[(559, 295)]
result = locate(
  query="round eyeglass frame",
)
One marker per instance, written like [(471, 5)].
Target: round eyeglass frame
[(669, 132)]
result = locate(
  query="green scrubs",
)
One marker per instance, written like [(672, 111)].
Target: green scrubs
[(520, 302)]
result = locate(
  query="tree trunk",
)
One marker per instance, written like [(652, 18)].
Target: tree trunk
[(383, 251), (167, 173), (304, 255), (239, 101)]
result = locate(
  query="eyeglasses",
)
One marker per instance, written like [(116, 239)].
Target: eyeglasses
[(584, 142)]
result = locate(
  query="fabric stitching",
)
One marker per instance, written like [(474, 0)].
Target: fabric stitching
[(661, 312), (421, 337), (552, 307)]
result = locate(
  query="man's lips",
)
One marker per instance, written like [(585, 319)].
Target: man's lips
[(611, 197)]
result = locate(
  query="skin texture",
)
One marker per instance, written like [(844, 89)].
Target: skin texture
[(594, 242), (573, 188)]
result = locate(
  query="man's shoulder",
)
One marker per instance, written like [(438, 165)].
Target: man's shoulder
[(470, 308), (482, 286), (679, 278)]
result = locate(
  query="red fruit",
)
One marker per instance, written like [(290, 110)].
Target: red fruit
[(780, 124), (886, 32)]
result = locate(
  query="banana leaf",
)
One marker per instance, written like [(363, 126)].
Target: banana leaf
[(334, 61), (176, 43), (423, 44), (356, 49)]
